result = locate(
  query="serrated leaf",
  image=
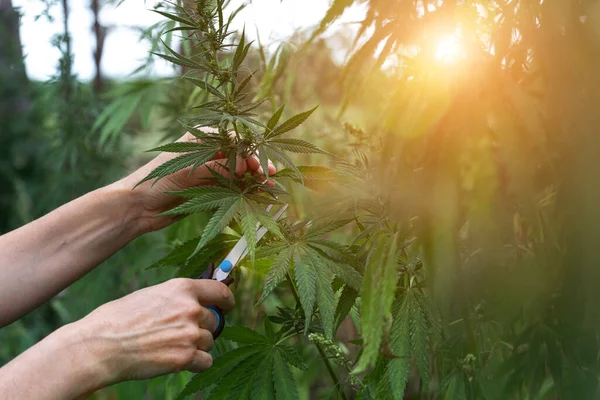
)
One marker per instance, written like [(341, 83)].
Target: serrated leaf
[(276, 154), (248, 222), (325, 297), (242, 334), (306, 281), (219, 220), (176, 18), (176, 164), (232, 385), (207, 87), (271, 249), (180, 147), (262, 388), (221, 366), (399, 368), (344, 305), (296, 145), (377, 295), (274, 119), (283, 379), (349, 275), (290, 123), (243, 84), (266, 220), (277, 273), (291, 356), (197, 191), (206, 202), (260, 373), (419, 335)]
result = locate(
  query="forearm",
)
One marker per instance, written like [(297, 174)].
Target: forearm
[(42, 258), (63, 366)]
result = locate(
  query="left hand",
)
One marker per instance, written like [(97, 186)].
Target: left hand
[(152, 200)]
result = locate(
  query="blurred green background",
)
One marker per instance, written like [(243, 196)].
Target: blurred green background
[(480, 119)]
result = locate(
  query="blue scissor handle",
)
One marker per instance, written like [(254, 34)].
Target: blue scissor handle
[(220, 320), (213, 308)]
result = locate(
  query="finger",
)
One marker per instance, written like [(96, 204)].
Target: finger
[(201, 362), (201, 175), (208, 320), (254, 165), (211, 292), (206, 341)]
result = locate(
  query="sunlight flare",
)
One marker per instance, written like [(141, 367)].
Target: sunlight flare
[(448, 49)]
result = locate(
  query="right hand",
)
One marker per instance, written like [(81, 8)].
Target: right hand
[(156, 330)]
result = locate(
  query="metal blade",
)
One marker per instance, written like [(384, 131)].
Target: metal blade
[(240, 250)]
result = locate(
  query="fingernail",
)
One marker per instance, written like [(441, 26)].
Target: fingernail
[(260, 170)]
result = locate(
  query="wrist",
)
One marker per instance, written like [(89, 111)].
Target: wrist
[(129, 206)]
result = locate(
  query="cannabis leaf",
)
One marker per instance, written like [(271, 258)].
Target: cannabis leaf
[(259, 368), (377, 295)]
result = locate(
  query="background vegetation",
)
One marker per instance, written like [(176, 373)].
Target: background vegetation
[(468, 171)]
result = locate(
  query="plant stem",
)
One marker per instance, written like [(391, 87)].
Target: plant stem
[(332, 373), (328, 365)]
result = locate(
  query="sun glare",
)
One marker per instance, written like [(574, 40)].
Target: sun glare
[(448, 49)]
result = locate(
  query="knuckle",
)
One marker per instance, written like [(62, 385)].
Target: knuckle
[(185, 357), (193, 334), (182, 284), (206, 341), (191, 309)]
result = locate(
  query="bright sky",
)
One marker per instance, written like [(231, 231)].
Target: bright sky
[(275, 20)]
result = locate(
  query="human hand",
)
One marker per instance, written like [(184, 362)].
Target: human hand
[(155, 331), (151, 198)]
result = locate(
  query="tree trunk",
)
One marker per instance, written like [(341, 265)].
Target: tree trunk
[(11, 56), (15, 103), (100, 34)]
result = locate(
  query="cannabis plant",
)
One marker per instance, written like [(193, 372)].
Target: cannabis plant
[(227, 123)]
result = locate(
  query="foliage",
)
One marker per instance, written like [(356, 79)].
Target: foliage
[(462, 240)]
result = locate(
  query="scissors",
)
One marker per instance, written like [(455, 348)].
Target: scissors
[(237, 253)]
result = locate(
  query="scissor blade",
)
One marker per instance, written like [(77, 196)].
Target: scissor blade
[(240, 250)]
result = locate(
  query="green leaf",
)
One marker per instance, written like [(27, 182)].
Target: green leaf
[(291, 356), (232, 385), (349, 275), (176, 18), (207, 87), (399, 368), (306, 280), (241, 334), (271, 249), (197, 191), (296, 145), (275, 119), (345, 303), (248, 222), (277, 273), (221, 366), (184, 62), (283, 379), (243, 84), (325, 300), (266, 220), (290, 123), (377, 295), (262, 388), (180, 147), (218, 222), (419, 335), (177, 164), (276, 154), (206, 202)]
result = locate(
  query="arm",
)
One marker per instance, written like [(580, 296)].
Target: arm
[(42, 258), (151, 332)]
